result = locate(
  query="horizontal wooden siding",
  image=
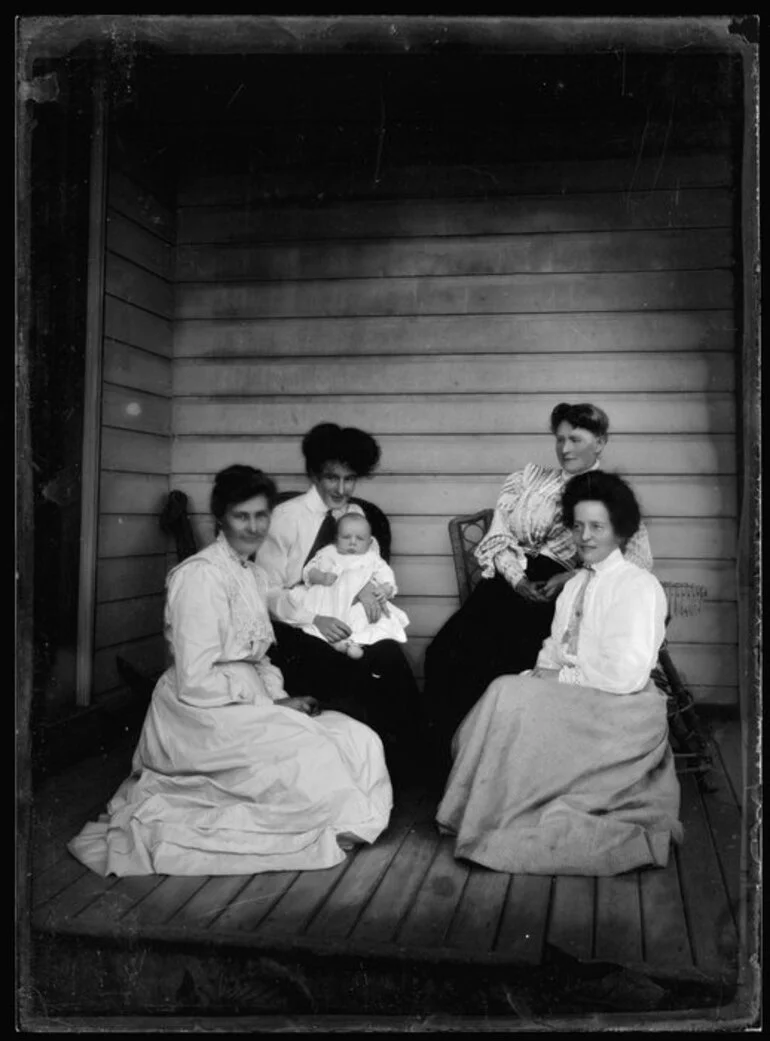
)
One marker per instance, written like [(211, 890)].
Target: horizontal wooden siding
[(136, 425), (449, 328)]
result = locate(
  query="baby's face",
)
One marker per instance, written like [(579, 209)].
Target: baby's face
[(353, 535)]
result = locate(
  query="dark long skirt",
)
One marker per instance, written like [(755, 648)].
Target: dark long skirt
[(378, 689), (495, 633)]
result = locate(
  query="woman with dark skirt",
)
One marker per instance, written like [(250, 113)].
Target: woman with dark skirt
[(526, 557), (378, 689)]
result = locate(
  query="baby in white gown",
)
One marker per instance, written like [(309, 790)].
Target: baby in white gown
[(337, 574)]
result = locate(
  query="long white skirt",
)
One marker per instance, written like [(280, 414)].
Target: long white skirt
[(550, 778), (239, 789)]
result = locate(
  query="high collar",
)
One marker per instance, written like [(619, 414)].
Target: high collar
[(316, 504), (567, 477), (609, 563), (314, 501), (230, 552)]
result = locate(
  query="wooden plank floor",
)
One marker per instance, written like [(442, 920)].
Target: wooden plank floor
[(407, 897)]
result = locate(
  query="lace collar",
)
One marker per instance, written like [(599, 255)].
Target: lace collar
[(248, 611)]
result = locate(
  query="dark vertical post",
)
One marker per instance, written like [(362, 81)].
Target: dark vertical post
[(92, 409), (24, 537), (749, 535)]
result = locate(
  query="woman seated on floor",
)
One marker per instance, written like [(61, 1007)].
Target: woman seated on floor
[(232, 775), (567, 768)]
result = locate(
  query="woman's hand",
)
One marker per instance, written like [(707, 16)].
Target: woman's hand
[(382, 594), (531, 591), (332, 629), (370, 600), (544, 674), (554, 585), (306, 704)]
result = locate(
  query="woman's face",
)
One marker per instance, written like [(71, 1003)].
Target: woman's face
[(335, 483), (577, 449), (245, 524), (593, 533)]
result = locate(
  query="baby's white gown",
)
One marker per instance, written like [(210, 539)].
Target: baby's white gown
[(354, 570)]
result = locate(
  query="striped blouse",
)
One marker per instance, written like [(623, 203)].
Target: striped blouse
[(527, 523)]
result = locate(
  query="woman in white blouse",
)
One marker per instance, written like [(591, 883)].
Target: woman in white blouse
[(567, 768), (526, 557), (231, 775)]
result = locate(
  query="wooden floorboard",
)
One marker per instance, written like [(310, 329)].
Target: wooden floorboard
[(709, 916), (407, 895), (436, 902), (341, 910), (380, 919), (477, 921), (56, 879), (163, 902), (252, 903), (208, 902), (121, 902), (619, 919), (294, 910), (524, 918), (666, 940), (82, 893), (571, 923), (725, 823)]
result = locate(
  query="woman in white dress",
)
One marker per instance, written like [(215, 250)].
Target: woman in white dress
[(567, 768), (231, 775)]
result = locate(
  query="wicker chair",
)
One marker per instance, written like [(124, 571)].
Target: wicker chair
[(690, 742)]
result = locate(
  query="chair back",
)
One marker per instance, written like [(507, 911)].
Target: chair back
[(175, 521), (465, 533)]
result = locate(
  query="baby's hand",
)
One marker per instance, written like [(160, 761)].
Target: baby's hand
[(317, 577)]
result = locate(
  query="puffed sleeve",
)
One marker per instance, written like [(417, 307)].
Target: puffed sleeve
[(197, 614), (638, 550), (272, 679), (284, 603), (499, 550), (383, 574), (624, 643), (323, 560)]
